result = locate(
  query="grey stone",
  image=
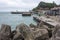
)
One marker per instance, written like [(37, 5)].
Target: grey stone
[(33, 26), (18, 36), (5, 32), (5, 29), (56, 33), (41, 34), (25, 31), (39, 25)]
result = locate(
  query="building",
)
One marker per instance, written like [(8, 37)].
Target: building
[(54, 11)]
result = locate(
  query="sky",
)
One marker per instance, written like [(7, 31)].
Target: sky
[(21, 5)]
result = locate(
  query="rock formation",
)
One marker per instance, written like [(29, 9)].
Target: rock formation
[(56, 33), (24, 32), (5, 32), (41, 34), (33, 26)]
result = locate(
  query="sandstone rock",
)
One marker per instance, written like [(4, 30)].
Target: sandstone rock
[(5, 32)]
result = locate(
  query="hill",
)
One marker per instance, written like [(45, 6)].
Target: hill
[(45, 5)]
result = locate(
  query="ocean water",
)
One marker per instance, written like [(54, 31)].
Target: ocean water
[(15, 19)]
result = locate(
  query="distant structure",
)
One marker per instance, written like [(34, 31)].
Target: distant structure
[(26, 14), (53, 12), (21, 12), (41, 10)]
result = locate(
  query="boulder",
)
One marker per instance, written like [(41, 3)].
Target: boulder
[(12, 34), (48, 29), (32, 25), (5, 32), (56, 33), (40, 24), (41, 34), (18, 36), (25, 31), (5, 29)]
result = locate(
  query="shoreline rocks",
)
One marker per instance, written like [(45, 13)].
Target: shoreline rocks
[(5, 32), (24, 32)]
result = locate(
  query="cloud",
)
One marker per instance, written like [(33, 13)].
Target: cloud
[(24, 5), (50, 1), (16, 5)]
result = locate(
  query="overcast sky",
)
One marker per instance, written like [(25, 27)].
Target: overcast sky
[(21, 5)]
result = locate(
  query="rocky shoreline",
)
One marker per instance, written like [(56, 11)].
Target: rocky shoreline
[(24, 32)]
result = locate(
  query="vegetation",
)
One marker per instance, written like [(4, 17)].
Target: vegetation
[(45, 5)]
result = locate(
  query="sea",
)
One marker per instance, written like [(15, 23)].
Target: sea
[(15, 19)]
